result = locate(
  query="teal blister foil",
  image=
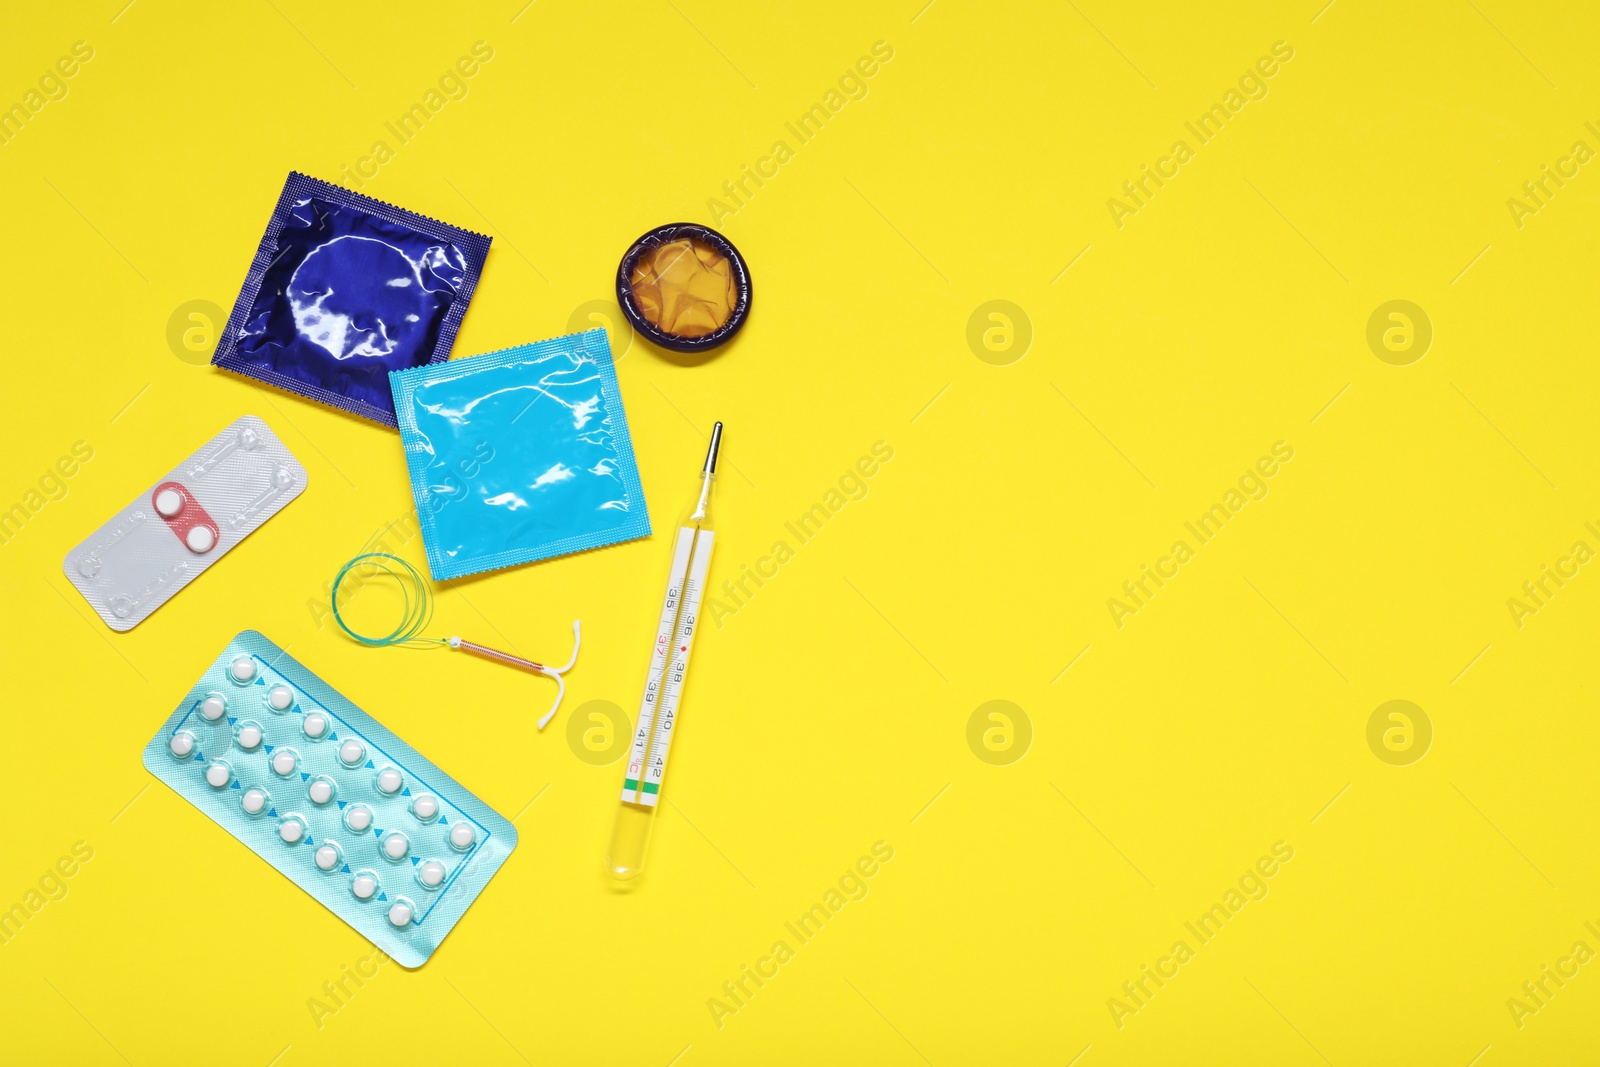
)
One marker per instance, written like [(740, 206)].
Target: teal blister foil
[(519, 455), (339, 805)]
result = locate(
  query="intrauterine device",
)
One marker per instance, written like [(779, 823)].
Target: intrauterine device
[(184, 523), (339, 805)]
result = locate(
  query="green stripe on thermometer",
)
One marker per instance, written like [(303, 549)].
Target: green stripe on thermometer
[(663, 687)]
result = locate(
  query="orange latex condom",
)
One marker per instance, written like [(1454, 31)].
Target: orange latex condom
[(684, 287)]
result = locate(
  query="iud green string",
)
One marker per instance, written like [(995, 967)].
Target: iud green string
[(418, 612)]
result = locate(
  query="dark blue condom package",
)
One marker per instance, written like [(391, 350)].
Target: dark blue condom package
[(345, 289)]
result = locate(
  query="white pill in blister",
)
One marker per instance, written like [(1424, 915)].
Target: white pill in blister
[(243, 669), (291, 830), (359, 818), (431, 873), (279, 697), (283, 761), (425, 807), (352, 752), (316, 724), (364, 886), (327, 857), (213, 707), (321, 791), (181, 744), (462, 835), (395, 846), (218, 775), (400, 913), (200, 539), (390, 780), (249, 736), (169, 502), (254, 800)]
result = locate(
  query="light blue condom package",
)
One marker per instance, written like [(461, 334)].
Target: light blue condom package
[(339, 805), (519, 455)]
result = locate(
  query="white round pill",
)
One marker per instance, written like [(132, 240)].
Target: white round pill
[(200, 539), (431, 873), (291, 830), (280, 697), (352, 752), (321, 791), (359, 818), (169, 502), (243, 669), (395, 846), (389, 780), (249, 736), (400, 913), (283, 761), (462, 835), (364, 886), (425, 807), (327, 857), (316, 724), (181, 744), (213, 707), (254, 801), (218, 775)]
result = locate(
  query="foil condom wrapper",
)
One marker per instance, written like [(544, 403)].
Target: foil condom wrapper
[(345, 289)]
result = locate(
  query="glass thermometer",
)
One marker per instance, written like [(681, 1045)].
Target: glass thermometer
[(663, 685)]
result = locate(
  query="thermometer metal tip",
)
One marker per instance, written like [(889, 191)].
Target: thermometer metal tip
[(711, 452)]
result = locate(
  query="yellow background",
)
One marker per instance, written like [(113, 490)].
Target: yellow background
[(831, 711)]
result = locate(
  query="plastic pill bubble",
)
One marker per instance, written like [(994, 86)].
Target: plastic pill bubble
[(400, 913), (291, 831), (218, 775), (327, 857), (254, 801), (200, 539), (249, 736), (280, 698), (425, 807), (390, 780), (316, 724), (283, 761), (462, 835), (243, 669), (169, 502), (358, 817), (352, 752), (364, 885), (213, 707), (395, 846), (321, 791), (182, 743), (431, 874)]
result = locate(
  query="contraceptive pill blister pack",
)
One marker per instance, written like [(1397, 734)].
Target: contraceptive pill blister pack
[(338, 804), (184, 523)]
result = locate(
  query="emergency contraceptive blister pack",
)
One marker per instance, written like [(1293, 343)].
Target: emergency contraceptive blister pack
[(184, 523), (339, 805)]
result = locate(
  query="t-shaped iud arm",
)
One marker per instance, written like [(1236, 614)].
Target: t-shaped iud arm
[(530, 665)]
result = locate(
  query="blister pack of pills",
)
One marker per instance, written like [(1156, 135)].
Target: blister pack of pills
[(184, 523), (339, 805)]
